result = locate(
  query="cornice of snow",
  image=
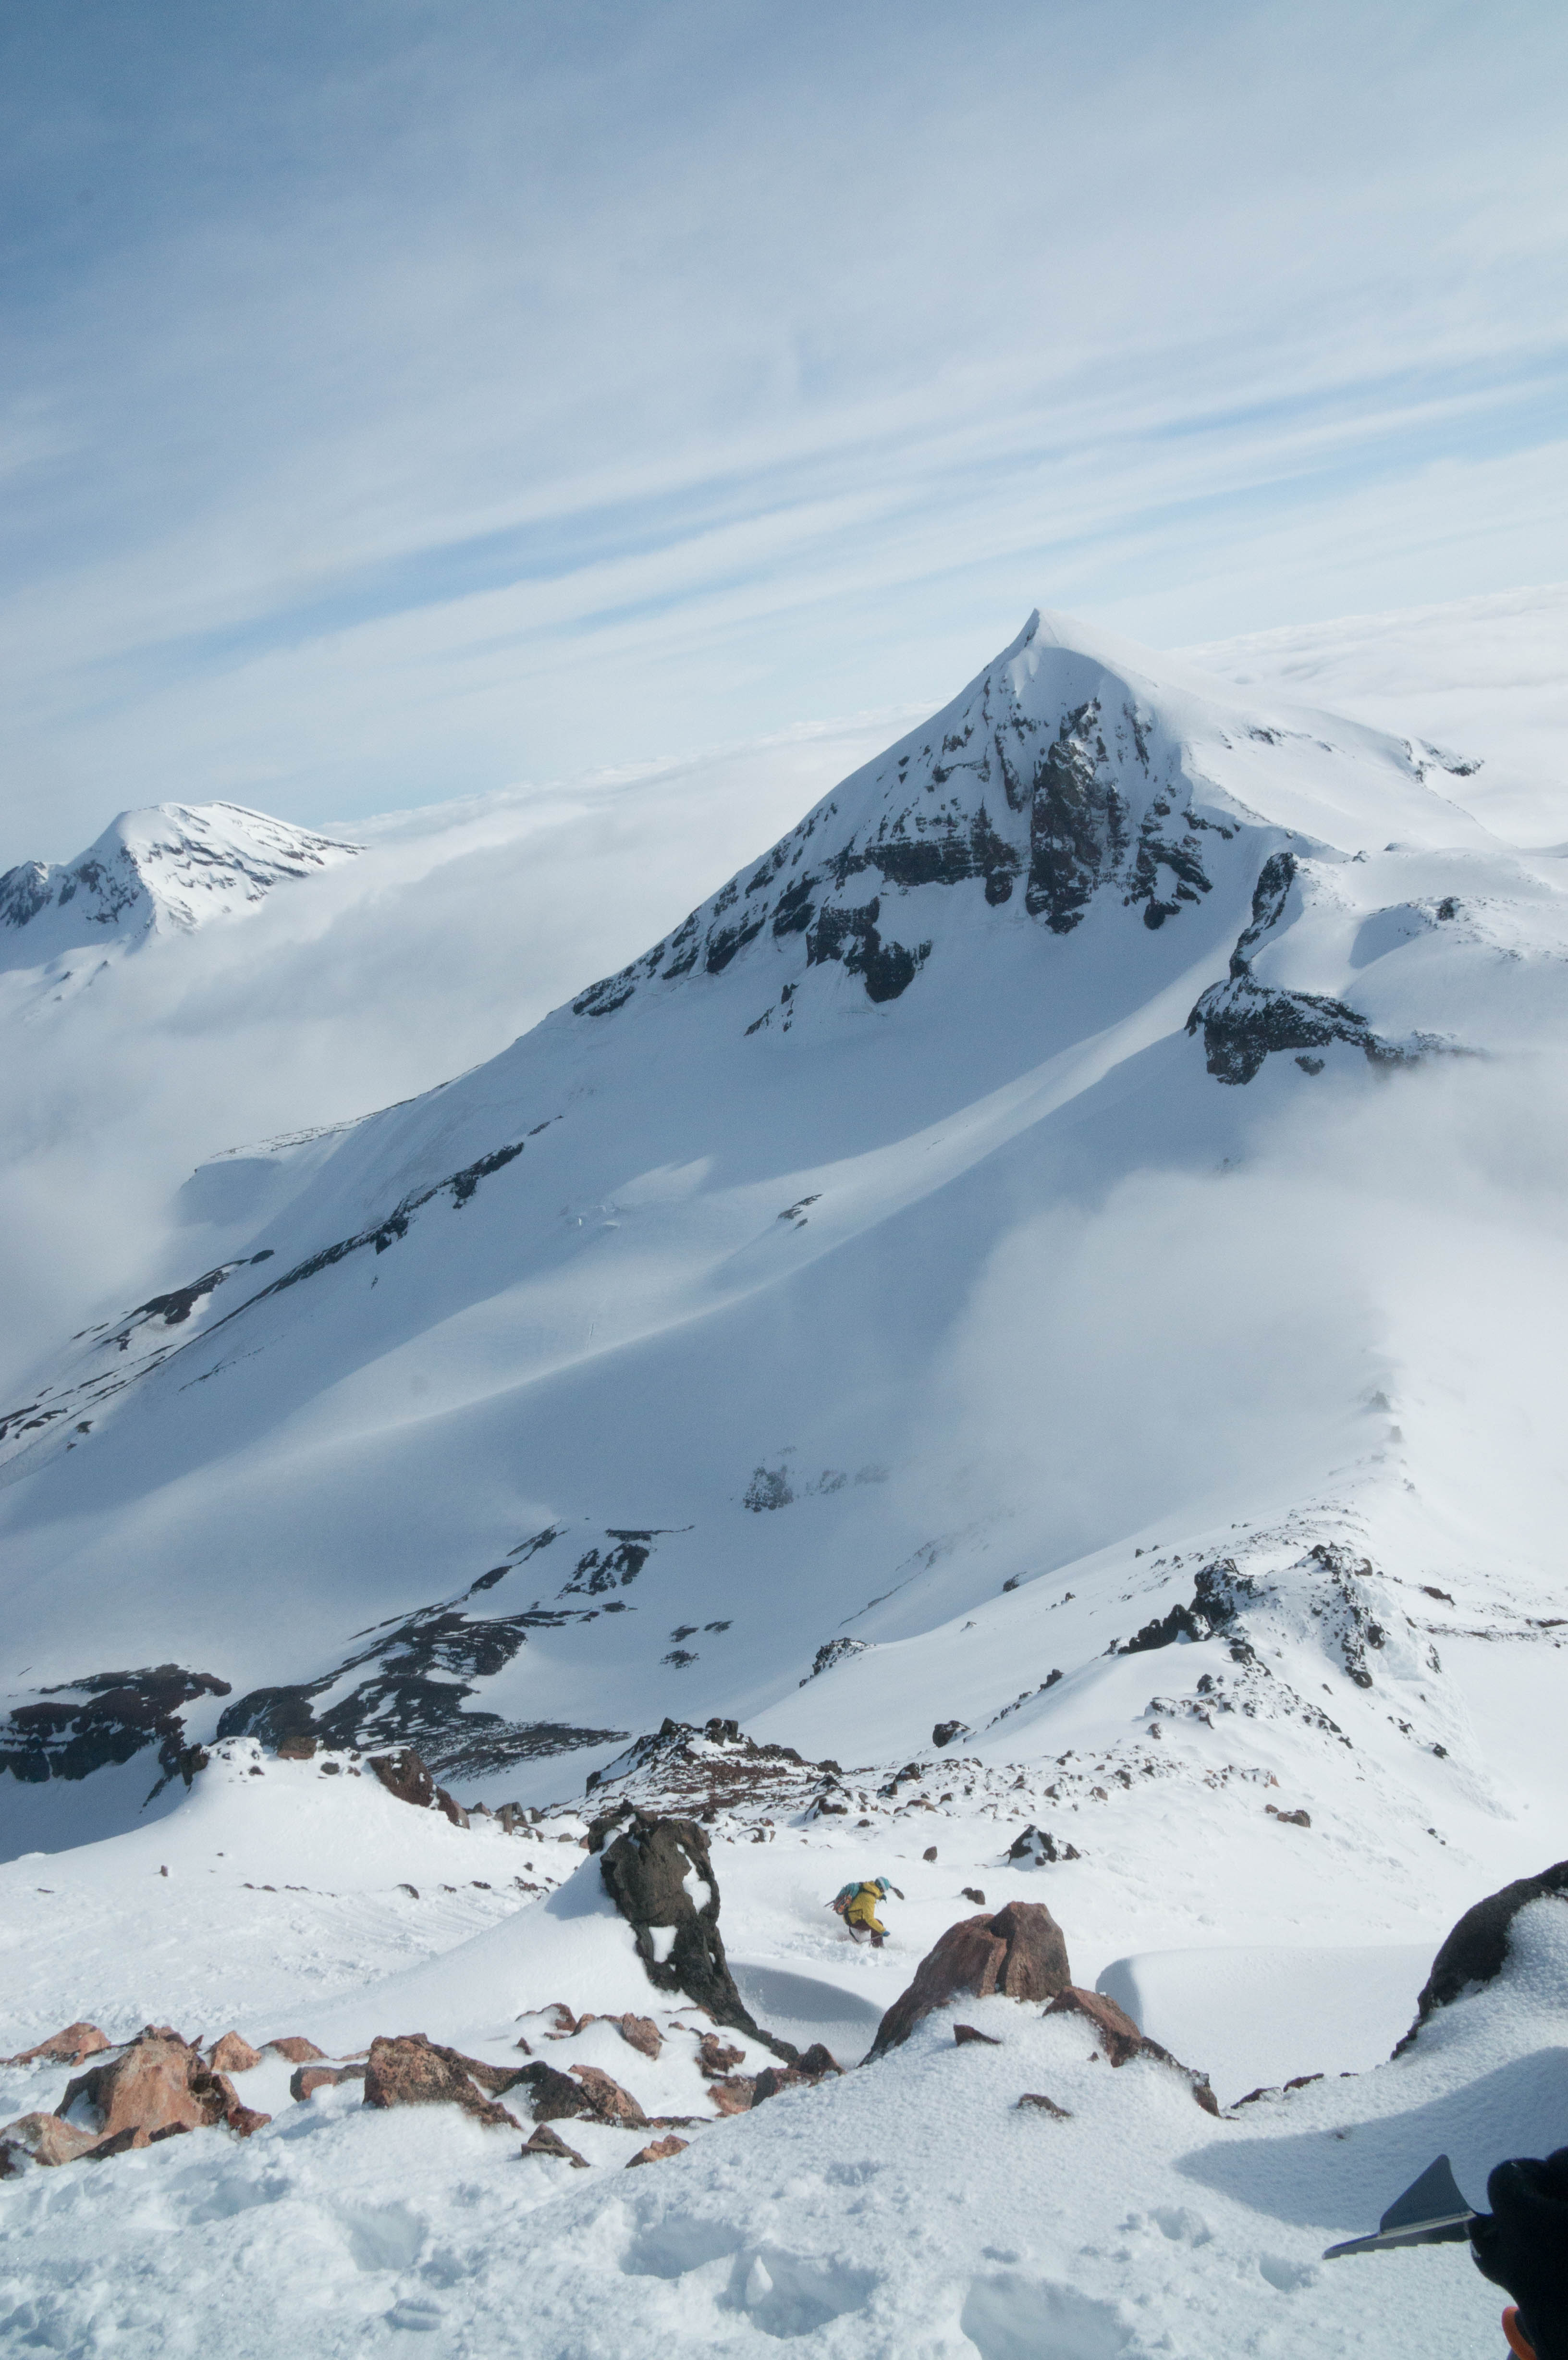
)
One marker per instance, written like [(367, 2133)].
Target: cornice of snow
[(167, 868)]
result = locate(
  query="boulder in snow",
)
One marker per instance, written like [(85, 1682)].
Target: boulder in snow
[(608, 2100), (296, 2050), (660, 1875), (68, 2048), (658, 2150), (42, 2139), (146, 2087), (553, 2149), (305, 2079), (1019, 1951), (232, 2055), (1476, 1948), (409, 2070), (641, 2033)]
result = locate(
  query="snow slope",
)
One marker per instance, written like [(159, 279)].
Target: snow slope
[(632, 1369), (1039, 1296)]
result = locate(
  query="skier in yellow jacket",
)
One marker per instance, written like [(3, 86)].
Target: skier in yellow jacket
[(857, 1906)]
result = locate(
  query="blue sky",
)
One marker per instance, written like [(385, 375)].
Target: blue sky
[(402, 400)]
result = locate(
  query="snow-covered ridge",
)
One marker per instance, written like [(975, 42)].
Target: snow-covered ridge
[(171, 867)]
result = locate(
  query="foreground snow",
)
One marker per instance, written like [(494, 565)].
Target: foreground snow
[(911, 2207)]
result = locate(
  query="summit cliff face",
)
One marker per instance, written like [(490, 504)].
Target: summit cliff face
[(173, 866), (621, 1375)]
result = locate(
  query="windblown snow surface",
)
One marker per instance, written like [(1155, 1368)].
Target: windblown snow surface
[(1041, 1295)]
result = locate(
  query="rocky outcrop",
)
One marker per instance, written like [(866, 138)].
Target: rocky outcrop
[(1477, 1949), (410, 2070), (660, 1875), (660, 2150), (77, 2042), (1121, 2040), (641, 2033), (295, 2049), (1019, 1951), (156, 2087)]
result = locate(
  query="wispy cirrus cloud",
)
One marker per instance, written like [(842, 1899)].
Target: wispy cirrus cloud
[(408, 402)]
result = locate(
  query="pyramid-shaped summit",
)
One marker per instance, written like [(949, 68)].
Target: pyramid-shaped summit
[(1071, 772)]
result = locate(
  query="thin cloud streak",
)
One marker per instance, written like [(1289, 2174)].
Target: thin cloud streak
[(421, 358)]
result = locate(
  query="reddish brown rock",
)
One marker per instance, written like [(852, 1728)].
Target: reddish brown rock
[(296, 1749), (817, 2060), (733, 2094), (641, 2033), (660, 2150), (966, 2034), (148, 2087), (305, 2079), (42, 2139), (1120, 2036), (774, 2078), (1044, 2105), (1121, 2039), (409, 2070), (972, 1893), (68, 2048), (550, 2144), (405, 1776), (610, 2102), (1019, 1951), (455, 1811), (716, 2056), (232, 2055), (296, 2050)]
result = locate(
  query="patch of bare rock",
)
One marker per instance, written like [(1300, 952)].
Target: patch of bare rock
[(156, 2086)]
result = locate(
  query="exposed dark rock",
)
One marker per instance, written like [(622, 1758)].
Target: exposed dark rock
[(641, 2033), (945, 1732), (972, 1893), (1044, 2105), (716, 2056), (1288, 1819), (1218, 1594), (553, 2097), (1476, 1951), (418, 1677), (965, 2035), (660, 2150), (554, 2148), (305, 2079), (650, 1871), (1019, 1951), (1243, 1021), (1038, 1845), (90, 1724), (295, 2049)]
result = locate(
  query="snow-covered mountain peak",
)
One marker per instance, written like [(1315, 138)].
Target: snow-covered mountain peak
[(1076, 774), (169, 868)]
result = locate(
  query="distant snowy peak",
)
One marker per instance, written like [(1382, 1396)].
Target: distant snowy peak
[(168, 868), (1069, 774)]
